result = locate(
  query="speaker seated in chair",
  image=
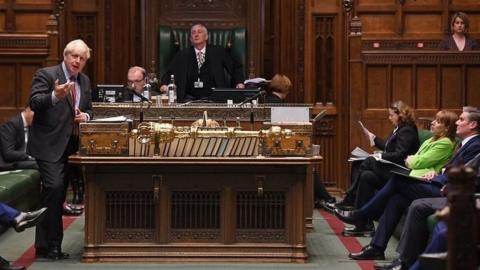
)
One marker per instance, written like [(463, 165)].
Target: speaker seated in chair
[(220, 64)]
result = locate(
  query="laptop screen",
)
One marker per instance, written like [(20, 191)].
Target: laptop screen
[(221, 95), (109, 93)]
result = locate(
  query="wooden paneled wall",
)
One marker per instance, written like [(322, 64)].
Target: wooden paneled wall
[(25, 46), (393, 55), (350, 58), (428, 81)]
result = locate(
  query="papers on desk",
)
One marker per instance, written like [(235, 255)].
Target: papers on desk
[(114, 119), (256, 81), (358, 154), (293, 115)]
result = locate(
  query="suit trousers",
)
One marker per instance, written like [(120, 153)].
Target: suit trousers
[(389, 204), (415, 233), (369, 177), (7, 214), (438, 243), (54, 182)]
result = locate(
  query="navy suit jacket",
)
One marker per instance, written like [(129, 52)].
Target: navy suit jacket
[(52, 125), (462, 156), (12, 142)]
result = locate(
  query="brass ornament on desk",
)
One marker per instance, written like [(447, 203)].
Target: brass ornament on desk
[(164, 139)]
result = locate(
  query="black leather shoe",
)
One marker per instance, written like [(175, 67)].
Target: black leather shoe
[(436, 261), (5, 265), (29, 219), (394, 265), (347, 216), (76, 206), (57, 254), (69, 211), (359, 230), (346, 204), (368, 253)]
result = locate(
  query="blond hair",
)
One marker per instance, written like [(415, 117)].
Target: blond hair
[(77, 44)]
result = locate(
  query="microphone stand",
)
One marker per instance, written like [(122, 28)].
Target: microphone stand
[(260, 93), (141, 112), (143, 100), (252, 117)]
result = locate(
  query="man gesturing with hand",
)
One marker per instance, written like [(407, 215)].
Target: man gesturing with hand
[(61, 99)]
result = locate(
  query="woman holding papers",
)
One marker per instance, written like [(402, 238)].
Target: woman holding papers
[(370, 175)]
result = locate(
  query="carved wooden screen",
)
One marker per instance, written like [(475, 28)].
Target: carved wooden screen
[(324, 58)]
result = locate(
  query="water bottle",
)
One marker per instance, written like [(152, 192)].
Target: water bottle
[(146, 90), (172, 91)]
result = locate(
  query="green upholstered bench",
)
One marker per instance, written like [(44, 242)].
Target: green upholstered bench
[(20, 188), (171, 40)]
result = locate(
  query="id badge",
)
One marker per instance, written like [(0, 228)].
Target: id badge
[(198, 84)]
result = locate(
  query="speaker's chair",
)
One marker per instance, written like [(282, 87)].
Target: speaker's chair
[(172, 40)]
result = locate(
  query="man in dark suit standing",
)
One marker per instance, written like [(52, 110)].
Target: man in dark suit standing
[(199, 68), (13, 143), (61, 99)]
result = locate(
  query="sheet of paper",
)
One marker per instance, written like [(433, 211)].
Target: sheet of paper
[(359, 153), (120, 118), (290, 115)]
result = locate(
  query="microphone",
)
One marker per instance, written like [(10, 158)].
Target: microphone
[(260, 93), (142, 97)]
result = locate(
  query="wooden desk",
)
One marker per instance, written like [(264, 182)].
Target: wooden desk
[(185, 114), (196, 209)]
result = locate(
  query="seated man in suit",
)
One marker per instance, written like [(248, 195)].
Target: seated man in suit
[(415, 233), (393, 199), (19, 221), (13, 142), (199, 68), (135, 85)]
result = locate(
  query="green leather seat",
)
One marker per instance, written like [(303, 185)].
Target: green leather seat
[(20, 188), (424, 135), (172, 40)]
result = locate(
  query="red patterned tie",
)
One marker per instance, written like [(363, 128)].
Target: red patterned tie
[(73, 92)]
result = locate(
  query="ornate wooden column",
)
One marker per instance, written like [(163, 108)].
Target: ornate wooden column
[(462, 222)]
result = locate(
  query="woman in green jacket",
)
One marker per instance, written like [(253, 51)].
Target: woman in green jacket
[(435, 152)]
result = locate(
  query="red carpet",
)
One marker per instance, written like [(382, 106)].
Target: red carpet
[(351, 243), (28, 257)]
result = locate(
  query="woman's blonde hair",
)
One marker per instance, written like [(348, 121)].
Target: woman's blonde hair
[(406, 115)]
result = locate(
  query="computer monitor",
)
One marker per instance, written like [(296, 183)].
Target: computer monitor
[(237, 95), (109, 93)]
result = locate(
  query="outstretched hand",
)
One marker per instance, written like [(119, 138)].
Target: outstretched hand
[(61, 90)]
